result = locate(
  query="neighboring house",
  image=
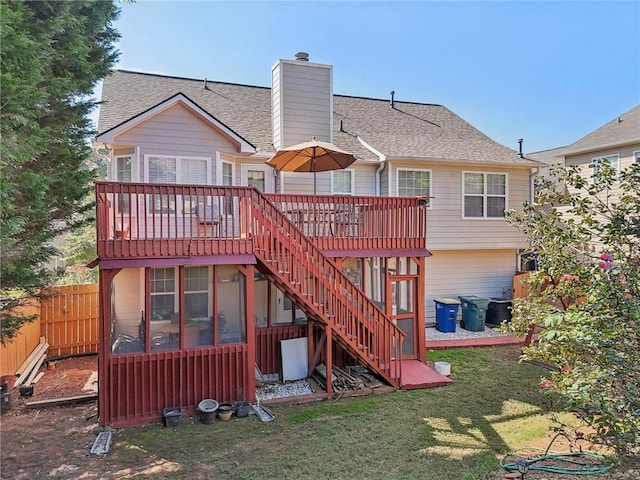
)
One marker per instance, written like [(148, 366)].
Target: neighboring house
[(616, 143), (200, 283)]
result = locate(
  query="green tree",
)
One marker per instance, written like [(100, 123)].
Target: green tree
[(585, 296), (53, 54)]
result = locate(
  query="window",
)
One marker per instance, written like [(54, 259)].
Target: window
[(163, 293), (162, 170), (611, 160), (124, 170), (183, 170), (414, 183), (227, 174), (256, 178), (636, 157), (342, 181), (485, 195)]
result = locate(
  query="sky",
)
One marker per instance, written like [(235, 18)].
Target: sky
[(548, 72)]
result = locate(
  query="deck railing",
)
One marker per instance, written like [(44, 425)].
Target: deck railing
[(153, 220)]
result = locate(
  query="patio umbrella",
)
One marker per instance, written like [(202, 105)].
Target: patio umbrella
[(313, 156)]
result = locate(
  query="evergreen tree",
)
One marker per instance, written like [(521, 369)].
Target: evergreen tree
[(53, 54)]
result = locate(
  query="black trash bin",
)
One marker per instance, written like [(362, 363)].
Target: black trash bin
[(498, 311), (474, 311)]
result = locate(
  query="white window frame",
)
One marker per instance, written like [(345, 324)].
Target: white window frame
[(269, 182), (406, 169), (485, 195), (219, 163), (595, 161), (352, 173), (636, 158)]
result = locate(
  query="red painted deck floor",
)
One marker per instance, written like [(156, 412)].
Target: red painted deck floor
[(416, 374)]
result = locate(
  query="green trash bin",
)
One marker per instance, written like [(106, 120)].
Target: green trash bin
[(474, 312)]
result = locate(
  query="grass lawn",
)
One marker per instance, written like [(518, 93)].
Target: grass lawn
[(457, 432)]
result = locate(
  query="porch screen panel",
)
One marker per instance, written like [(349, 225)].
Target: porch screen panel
[(164, 319), (198, 329), (231, 315)]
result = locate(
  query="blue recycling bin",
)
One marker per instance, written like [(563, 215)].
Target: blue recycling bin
[(474, 312), (446, 314)]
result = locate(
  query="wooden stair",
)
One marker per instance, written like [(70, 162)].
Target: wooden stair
[(318, 287)]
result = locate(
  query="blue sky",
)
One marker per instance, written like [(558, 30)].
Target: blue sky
[(548, 72)]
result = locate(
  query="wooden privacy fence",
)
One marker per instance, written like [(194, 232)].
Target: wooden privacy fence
[(69, 319), (17, 350)]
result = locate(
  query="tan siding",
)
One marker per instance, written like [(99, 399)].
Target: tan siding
[(276, 100), (484, 273), (301, 102), (296, 182), (365, 179), (177, 131), (446, 228)]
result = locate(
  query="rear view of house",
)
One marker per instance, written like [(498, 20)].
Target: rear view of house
[(209, 258)]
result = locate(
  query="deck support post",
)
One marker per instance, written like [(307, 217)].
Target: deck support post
[(250, 384), (329, 362), (104, 348), (316, 356)]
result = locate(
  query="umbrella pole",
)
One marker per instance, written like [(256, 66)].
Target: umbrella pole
[(313, 167)]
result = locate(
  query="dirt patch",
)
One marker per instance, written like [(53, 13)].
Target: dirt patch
[(51, 442), (71, 377)]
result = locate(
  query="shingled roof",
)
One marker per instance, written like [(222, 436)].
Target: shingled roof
[(409, 130), (622, 130)]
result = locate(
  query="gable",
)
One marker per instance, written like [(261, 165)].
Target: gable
[(177, 129), (178, 107)]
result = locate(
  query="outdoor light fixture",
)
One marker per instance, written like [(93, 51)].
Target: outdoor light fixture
[(523, 467)]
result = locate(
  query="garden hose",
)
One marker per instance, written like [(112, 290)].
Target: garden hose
[(566, 463)]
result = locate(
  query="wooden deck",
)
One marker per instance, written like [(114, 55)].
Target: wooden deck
[(154, 221)]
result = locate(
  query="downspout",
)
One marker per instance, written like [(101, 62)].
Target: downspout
[(383, 162)]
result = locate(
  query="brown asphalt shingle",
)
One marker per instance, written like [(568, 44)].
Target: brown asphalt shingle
[(624, 129), (410, 130)]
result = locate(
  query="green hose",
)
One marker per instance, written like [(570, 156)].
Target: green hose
[(582, 462)]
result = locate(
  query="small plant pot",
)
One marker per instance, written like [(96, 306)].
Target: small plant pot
[(243, 409), (225, 411), (208, 409), (172, 416)]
